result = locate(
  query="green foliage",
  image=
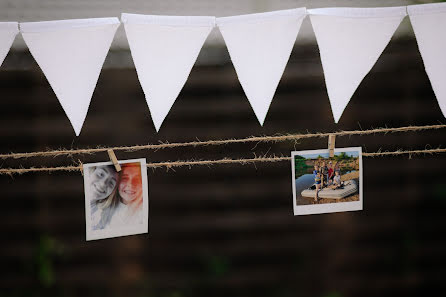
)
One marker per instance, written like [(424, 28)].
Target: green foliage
[(48, 248), (300, 167), (217, 266), (342, 156), (300, 164)]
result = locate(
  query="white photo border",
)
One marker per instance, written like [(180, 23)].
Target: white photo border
[(327, 207), (124, 231)]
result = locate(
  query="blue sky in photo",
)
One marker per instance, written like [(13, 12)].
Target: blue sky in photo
[(325, 155)]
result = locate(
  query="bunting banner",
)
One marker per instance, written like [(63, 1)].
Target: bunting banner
[(8, 31), (350, 42), (71, 54), (429, 24), (164, 50), (260, 46)]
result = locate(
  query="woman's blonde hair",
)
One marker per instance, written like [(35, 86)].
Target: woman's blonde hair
[(108, 204), (108, 207)]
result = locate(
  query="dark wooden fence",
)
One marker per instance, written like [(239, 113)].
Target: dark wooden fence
[(228, 230)]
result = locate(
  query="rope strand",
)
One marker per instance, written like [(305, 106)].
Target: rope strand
[(278, 138), (169, 165)]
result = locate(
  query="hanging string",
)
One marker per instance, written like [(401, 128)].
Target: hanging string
[(174, 164), (256, 139)]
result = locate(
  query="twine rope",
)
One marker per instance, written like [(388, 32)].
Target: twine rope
[(174, 164), (257, 139)]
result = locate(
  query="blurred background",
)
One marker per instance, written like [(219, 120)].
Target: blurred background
[(223, 230)]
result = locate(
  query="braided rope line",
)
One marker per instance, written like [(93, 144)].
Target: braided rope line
[(257, 139), (174, 164)]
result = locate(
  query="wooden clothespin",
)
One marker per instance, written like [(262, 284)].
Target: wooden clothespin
[(331, 144), (113, 158)]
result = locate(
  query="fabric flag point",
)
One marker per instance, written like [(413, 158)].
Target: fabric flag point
[(260, 45), (164, 50), (429, 24), (71, 54), (350, 42), (8, 31)]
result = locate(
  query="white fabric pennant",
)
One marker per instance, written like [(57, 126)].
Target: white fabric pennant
[(260, 46), (429, 24), (71, 54), (164, 50), (8, 31), (350, 42)]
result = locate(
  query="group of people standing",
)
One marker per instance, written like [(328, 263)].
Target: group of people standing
[(115, 198), (326, 176)]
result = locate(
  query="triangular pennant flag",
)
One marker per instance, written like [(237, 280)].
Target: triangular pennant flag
[(8, 31), (71, 54), (350, 42), (429, 24), (164, 49), (260, 45)]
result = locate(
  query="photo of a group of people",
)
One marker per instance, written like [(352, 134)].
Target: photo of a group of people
[(116, 203), (327, 184)]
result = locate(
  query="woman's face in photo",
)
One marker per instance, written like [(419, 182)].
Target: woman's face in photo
[(130, 185), (103, 181)]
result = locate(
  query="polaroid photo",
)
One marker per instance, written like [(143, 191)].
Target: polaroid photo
[(325, 185), (116, 203)]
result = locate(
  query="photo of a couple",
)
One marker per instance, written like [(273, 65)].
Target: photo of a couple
[(116, 202)]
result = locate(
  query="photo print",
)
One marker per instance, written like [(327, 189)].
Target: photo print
[(324, 185), (116, 203)]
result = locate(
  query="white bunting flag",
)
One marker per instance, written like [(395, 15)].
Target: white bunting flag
[(71, 54), (8, 31), (260, 46), (350, 42), (164, 50), (429, 24)]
